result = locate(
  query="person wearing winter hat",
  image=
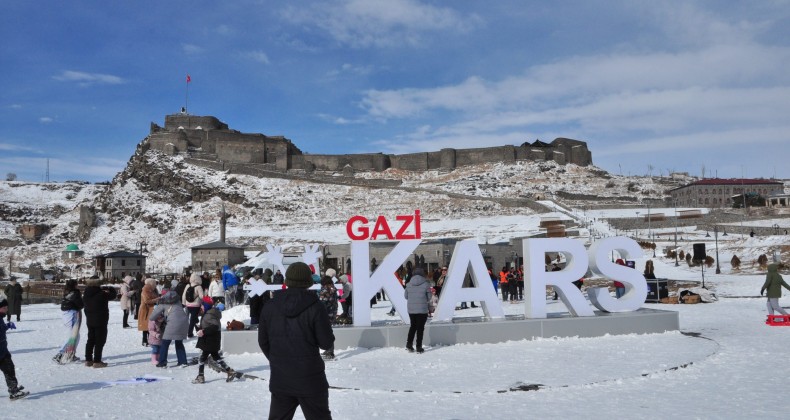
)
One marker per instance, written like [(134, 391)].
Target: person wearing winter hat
[(208, 302), (6, 363), (192, 300), (294, 326), (210, 341), (176, 324)]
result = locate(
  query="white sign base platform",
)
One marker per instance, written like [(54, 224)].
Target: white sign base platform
[(480, 330)]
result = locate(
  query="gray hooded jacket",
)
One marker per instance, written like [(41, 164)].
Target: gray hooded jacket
[(418, 294)]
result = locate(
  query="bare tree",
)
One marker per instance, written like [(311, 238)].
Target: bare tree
[(10, 176)]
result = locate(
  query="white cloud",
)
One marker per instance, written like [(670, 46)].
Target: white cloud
[(361, 23), (351, 69), (46, 120), (10, 147), (15, 106), (339, 120), (87, 79), (258, 56), (191, 48)]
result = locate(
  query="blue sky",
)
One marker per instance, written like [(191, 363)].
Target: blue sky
[(652, 86)]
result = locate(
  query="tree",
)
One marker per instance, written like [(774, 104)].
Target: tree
[(709, 261), (10, 176), (762, 260), (735, 262)]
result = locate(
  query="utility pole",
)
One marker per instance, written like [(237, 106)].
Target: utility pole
[(676, 233)]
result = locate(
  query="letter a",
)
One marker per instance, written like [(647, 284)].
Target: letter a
[(467, 253)]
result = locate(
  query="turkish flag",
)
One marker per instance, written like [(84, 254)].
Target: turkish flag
[(189, 79)]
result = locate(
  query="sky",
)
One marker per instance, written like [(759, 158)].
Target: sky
[(651, 86)]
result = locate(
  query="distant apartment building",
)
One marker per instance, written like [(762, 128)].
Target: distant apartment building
[(716, 192), (119, 264)]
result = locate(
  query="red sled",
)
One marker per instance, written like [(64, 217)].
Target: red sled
[(778, 320)]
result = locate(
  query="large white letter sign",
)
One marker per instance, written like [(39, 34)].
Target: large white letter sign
[(536, 278), (366, 284), (466, 254), (634, 281)]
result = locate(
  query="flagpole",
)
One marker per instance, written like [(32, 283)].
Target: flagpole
[(186, 103)]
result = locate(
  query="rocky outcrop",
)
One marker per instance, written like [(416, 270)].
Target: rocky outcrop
[(87, 222)]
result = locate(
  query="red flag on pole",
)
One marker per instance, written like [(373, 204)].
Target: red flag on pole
[(189, 79)]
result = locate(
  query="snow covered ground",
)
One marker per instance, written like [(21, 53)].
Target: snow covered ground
[(733, 369)]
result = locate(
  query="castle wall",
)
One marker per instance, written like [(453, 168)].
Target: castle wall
[(411, 161), (233, 147), (172, 122), (447, 158), (364, 162), (466, 157), (214, 140)]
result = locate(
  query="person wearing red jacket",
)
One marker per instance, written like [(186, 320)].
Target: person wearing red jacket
[(619, 288)]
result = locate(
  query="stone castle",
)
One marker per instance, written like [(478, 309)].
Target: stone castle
[(207, 138)]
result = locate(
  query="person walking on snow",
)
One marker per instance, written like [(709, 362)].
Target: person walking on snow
[(773, 284), (210, 340), (176, 324), (293, 328), (418, 297), (97, 316), (71, 307), (192, 299), (126, 299), (229, 284), (148, 298), (13, 294), (15, 391), (328, 296)]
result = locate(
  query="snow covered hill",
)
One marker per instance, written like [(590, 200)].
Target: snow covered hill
[(172, 205)]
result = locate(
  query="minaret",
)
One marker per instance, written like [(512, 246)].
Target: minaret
[(223, 219)]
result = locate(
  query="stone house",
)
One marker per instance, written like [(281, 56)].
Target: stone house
[(119, 264), (213, 255)]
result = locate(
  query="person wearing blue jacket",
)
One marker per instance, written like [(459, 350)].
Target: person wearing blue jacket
[(229, 282)]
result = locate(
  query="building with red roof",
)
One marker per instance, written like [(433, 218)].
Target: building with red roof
[(717, 192)]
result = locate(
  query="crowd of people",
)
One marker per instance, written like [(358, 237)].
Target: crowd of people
[(294, 325)]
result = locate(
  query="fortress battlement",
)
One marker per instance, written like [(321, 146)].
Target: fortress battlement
[(206, 137)]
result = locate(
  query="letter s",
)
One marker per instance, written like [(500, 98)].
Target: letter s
[(634, 281)]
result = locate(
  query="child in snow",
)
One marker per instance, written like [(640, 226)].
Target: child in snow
[(6, 364), (155, 335), (210, 339)]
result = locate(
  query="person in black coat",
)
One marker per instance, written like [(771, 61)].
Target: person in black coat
[(97, 315), (210, 340), (649, 270), (293, 327), (6, 363), (137, 286), (13, 292)]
